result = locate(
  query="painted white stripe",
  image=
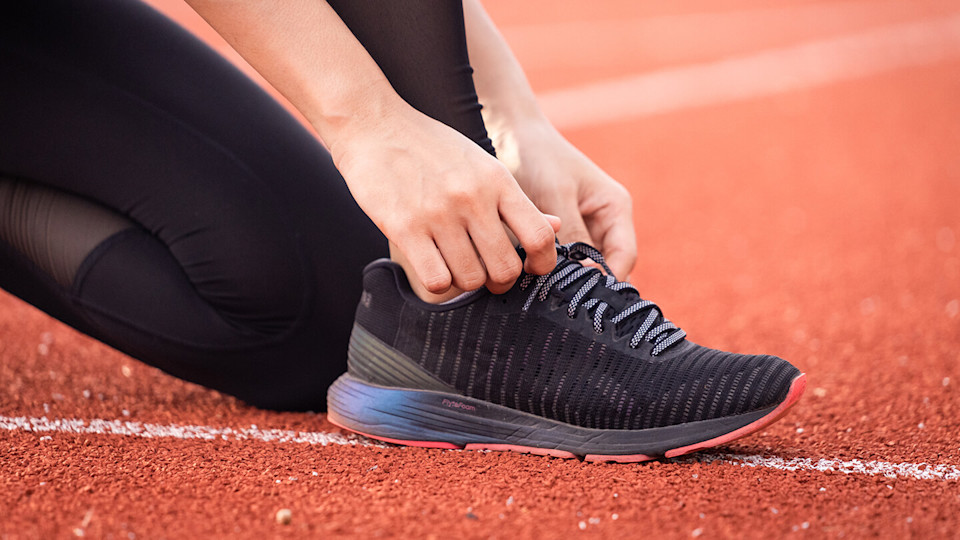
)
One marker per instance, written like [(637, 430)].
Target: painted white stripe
[(809, 65), (916, 471), (175, 431)]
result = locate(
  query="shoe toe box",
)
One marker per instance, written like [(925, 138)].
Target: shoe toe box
[(710, 384)]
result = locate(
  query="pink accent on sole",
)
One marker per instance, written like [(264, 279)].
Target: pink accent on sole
[(796, 390), (793, 395), (627, 458), (332, 417), (522, 449)]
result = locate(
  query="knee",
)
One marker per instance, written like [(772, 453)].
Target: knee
[(255, 277), (243, 257)]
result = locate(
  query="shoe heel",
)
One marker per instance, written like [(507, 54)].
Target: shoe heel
[(370, 359), (394, 415)]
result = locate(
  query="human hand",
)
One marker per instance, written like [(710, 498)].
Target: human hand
[(593, 207), (442, 201)]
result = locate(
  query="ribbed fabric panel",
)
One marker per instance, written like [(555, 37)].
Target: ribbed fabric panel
[(54, 229), (527, 362)]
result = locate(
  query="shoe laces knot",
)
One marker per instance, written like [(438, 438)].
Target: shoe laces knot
[(649, 322)]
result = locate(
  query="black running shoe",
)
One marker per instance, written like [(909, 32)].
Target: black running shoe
[(570, 364)]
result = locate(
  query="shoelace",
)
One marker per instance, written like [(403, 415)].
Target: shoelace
[(568, 270)]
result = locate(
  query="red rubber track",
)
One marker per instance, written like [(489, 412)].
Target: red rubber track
[(819, 224)]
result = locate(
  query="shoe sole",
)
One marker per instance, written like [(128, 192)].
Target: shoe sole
[(442, 420)]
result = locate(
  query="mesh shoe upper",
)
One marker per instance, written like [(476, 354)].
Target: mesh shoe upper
[(528, 350)]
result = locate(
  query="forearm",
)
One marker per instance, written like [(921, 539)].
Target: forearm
[(439, 198), (501, 85), (306, 52)]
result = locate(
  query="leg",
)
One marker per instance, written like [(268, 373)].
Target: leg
[(234, 245), (421, 46), (213, 272)]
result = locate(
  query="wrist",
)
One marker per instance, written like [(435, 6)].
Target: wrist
[(513, 114), (516, 133), (353, 115), (512, 134)]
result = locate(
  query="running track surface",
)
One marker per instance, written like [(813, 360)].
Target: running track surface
[(796, 177)]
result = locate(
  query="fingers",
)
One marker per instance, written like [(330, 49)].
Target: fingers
[(618, 241), (466, 270), (532, 229), (469, 253), (555, 222), (500, 258), (420, 253), (574, 229), (621, 255), (464, 258)]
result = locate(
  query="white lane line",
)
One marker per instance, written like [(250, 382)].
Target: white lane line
[(175, 431), (808, 65), (916, 471)]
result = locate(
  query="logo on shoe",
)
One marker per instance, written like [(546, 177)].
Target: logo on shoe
[(366, 299), (458, 405)]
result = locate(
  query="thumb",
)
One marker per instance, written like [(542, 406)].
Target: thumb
[(574, 229), (554, 221)]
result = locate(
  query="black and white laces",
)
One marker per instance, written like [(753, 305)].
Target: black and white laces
[(568, 271)]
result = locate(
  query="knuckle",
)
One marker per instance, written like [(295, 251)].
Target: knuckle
[(496, 288), (471, 280), (500, 180), (541, 238), (506, 271), (495, 170), (395, 229), (460, 196), (436, 283), (434, 209)]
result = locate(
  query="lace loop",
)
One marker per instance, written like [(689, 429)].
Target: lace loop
[(569, 270)]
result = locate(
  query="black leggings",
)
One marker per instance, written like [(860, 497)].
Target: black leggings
[(153, 197)]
